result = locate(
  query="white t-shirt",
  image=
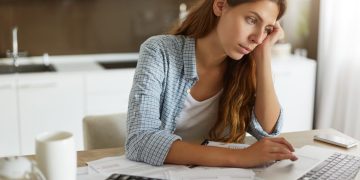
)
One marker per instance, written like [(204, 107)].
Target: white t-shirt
[(197, 118)]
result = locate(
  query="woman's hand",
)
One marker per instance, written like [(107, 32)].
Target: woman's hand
[(276, 34), (265, 151), (263, 50)]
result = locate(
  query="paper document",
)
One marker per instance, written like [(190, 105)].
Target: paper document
[(121, 165), (208, 173), (228, 145), (91, 177), (82, 171), (83, 174)]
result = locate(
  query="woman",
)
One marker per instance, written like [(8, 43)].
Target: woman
[(210, 79)]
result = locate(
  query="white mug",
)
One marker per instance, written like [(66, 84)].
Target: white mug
[(56, 155)]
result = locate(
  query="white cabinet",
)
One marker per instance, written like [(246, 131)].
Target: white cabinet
[(9, 126), (108, 92), (294, 81), (50, 102), (34, 103)]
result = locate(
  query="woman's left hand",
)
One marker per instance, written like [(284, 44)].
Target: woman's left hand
[(275, 35), (263, 50)]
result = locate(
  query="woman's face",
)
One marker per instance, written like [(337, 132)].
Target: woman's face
[(243, 27)]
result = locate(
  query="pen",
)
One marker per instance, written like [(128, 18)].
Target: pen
[(204, 143)]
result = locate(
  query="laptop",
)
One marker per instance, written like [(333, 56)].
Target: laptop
[(310, 159)]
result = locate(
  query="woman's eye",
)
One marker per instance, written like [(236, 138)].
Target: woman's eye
[(268, 30), (251, 20)]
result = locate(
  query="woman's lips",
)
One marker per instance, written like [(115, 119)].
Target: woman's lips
[(244, 50)]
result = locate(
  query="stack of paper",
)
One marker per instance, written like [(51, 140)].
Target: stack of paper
[(121, 165), (212, 173), (83, 174), (228, 145), (104, 167)]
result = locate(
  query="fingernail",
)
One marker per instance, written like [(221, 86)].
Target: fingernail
[(295, 158)]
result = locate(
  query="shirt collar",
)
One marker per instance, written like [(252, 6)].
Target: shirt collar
[(189, 59)]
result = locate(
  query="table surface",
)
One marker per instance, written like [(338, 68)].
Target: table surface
[(297, 139)]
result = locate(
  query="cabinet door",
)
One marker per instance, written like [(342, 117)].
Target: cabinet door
[(108, 92), (294, 82), (9, 130), (50, 102)]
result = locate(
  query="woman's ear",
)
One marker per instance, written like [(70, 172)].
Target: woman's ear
[(218, 7)]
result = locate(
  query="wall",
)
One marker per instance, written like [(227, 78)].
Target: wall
[(84, 26), (106, 26), (300, 24)]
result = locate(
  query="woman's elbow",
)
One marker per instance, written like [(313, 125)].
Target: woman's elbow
[(131, 148)]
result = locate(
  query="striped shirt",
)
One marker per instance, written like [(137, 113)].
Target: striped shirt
[(165, 71)]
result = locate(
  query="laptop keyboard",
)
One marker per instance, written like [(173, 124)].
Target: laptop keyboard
[(337, 166)]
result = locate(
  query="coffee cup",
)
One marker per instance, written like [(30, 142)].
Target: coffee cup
[(56, 155)]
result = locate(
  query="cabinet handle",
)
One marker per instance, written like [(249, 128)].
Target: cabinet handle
[(38, 85), (6, 86)]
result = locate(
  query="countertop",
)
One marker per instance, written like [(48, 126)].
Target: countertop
[(90, 62), (76, 63)]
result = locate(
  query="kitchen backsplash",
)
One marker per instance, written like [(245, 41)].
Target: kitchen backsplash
[(84, 26)]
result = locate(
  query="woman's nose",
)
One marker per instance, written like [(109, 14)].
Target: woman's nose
[(257, 37)]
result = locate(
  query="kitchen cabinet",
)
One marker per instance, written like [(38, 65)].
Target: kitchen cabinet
[(108, 92), (294, 81), (38, 102), (9, 125), (51, 102)]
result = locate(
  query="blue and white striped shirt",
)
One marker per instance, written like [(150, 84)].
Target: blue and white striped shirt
[(166, 69)]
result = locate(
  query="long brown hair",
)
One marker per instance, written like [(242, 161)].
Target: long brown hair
[(238, 98)]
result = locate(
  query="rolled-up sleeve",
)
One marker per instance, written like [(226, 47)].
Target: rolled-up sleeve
[(258, 132), (147, 141)]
